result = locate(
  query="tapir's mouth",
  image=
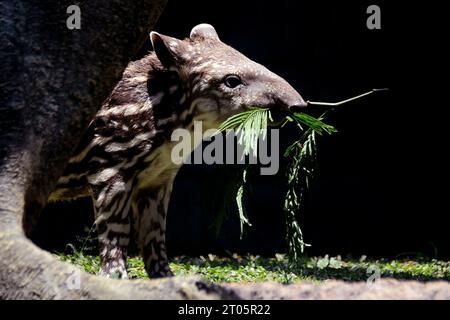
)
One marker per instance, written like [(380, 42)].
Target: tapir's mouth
[(278, 114)]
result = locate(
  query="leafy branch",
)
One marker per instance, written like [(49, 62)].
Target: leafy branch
[(252, 124)]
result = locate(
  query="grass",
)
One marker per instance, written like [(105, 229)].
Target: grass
[(251, 268)]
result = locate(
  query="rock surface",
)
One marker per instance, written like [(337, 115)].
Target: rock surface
[(340, 290)]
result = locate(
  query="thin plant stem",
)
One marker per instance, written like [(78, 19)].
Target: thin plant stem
[(334, 104)]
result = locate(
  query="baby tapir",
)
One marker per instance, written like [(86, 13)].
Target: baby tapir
[(123, 161)]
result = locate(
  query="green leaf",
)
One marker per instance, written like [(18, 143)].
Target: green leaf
[(323, 263), (315, 124), (240, 204), (249, 126)]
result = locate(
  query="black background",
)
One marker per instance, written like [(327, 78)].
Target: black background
[(381, 189)]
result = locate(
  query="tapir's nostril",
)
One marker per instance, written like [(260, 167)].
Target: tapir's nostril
[(298, 106)]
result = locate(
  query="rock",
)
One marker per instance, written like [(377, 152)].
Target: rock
[(341, 290), (53, 80)]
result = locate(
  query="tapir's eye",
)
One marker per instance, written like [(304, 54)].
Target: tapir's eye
[(232, 81)]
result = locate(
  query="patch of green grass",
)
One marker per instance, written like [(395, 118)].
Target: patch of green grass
[(250, 268)]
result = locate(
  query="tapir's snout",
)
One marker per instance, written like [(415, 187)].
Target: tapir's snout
[(286, 97), (298, 106), (286, 100), (268, 90), (289, 99)]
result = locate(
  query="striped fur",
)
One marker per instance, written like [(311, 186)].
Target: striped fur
[(123, 161)]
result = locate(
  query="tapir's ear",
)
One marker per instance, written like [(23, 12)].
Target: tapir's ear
[(168, 50), (205, 31)]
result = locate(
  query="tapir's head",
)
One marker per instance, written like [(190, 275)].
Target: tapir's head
[(218, 79)]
